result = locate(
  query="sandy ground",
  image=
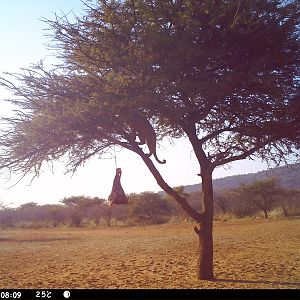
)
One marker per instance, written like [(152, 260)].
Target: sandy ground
[(248, 254)]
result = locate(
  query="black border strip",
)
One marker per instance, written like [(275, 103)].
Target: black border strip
[(144, 294)]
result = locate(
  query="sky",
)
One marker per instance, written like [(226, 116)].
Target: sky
[(23, 43)]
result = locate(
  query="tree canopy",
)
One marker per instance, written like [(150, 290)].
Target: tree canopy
[(230, 71)]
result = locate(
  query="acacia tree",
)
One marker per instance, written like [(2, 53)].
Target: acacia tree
[(288, 198), (223, 199), (224, 74), (261, 194)]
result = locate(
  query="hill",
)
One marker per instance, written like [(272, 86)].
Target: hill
[(288, 177)]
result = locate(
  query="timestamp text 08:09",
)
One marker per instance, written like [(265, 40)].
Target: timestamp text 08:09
[(10, 295)]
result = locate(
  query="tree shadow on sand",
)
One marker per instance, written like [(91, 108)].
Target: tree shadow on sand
[(292, 284)]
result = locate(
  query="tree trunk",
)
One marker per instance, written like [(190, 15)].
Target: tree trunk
[(205, 262), (108, 216), (266, 214), (205, 218), (285, 211)]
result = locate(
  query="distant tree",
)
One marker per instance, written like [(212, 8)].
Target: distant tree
[(25, 214), (119, 213), (28, 205), (7, 217), (4, 205), (288, 199), (55, 214), (260, 194), (222, 199), (73, 201), (75, 213), (96, 209), (241, 207), (224, 74), (81, 207), (149, 208)]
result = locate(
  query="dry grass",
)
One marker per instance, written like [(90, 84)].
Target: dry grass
[(248, 254)]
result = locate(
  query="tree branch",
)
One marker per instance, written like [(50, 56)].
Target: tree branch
[(244, 155), (160, 181)]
